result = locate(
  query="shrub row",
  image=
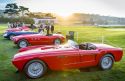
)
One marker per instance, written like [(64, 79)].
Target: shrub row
[(26, 20)]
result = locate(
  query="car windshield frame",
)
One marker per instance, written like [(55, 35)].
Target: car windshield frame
[(71, 43)]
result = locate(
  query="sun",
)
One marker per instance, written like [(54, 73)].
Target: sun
[(64, 15)]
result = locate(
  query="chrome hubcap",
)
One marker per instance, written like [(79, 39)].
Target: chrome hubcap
[(35, 69), (23, 44), (11, 37), (106, 62)]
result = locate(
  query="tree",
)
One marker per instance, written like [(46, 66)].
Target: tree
[(23, 9), (11, 9)]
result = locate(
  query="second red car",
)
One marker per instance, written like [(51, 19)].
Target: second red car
[(38, 39)]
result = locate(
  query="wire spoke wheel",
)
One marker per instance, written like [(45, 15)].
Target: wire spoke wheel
[(11, 37), (23, 43), (106, 62), (35, 69)]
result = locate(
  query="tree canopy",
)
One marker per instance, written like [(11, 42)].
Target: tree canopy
[(13, 9)]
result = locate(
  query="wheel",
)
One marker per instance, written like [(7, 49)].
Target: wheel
[(35, 69), (106, 62), (57, 42), (11, 37), (22, 43)]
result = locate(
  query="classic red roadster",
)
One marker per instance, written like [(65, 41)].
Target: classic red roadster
[(25, 28), (34, 61), (38, 39)]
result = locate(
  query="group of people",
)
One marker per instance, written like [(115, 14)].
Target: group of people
[(48, 28), (41, 29), (15, 24)]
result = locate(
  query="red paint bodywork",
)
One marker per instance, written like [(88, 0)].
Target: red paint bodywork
[(38, 39), (25, 28), (65, 58)]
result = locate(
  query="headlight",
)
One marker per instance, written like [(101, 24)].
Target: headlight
[(5, 34)]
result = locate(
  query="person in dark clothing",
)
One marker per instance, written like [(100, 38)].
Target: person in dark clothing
[(32, 27), (14, 25), (52, 29), (47, 29), (41, 28)]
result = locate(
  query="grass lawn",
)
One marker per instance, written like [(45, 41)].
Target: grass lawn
[(85, 34)]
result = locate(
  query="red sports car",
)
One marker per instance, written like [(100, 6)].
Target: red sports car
[(38, 39), (34, 61), (25, 28)]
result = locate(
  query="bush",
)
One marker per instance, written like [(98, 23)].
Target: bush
[(26, 20)]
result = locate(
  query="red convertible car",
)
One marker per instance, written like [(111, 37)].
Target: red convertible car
[(38, 39), (34, 61), (25, 28)]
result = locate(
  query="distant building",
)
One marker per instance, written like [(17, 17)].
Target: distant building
[(45, 20)]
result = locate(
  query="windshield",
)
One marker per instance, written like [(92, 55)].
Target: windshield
[(42, 33), (71, 43)]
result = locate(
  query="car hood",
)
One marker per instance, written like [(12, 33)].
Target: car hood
[(27, 35), (13, 29), (43, 51), (33, 35), (21, 32)]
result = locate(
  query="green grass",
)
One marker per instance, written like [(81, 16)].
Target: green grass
[(85, 34)]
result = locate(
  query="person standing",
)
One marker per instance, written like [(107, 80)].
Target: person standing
[(43, 26), (41, 29), (23, 24), (47, 29), (32, 27), (14, 25), (9, 25), (52, 29)]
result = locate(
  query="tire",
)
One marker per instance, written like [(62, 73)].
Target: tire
[(106, 62), (22, 43), (57, 42), (35, 69), (11, 36)]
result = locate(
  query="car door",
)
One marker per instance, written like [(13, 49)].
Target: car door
[(64, 59), (35, 40), (88, 57), (45, 40), (69, 59), (40, 40)]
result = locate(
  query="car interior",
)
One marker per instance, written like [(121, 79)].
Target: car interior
[(87, 46)]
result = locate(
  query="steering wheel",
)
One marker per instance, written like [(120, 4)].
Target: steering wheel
[(82, 46)]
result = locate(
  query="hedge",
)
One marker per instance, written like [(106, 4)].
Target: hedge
[(26, 20)]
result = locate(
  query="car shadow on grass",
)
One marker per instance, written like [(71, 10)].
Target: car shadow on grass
[(90, 69)]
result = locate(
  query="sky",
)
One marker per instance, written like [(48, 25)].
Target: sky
[(66, 7)]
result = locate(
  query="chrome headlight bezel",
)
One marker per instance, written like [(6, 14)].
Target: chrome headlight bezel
[(5, 34)]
